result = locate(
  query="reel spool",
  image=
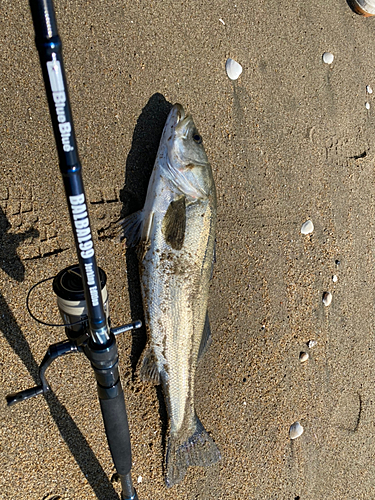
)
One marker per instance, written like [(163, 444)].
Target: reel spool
[(68, 287)]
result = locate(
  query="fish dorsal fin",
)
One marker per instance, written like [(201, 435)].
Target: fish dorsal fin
[(136, 229), (131, 228), (174, 223), (213, 260), (206, 339)]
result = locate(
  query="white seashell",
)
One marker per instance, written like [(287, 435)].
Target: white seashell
[(327, 298), (233, 69), (328, 57), (367, 105), (307, 227), (312, 343), (334, 278), (222, 22), (140, 479), (363, 7), (368, 89), (295, 430), (303, 357)]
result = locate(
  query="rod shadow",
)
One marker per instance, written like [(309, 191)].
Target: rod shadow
[(79, 447)]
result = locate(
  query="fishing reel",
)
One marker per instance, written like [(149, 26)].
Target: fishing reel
[(69, 291), (68, 288)]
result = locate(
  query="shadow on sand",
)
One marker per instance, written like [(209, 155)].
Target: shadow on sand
[(139, 165), (79, 447)]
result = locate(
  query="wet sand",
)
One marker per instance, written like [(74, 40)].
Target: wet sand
[(291, 140)]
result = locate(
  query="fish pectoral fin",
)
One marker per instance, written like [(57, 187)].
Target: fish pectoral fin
[(149, 371), (206, 339), (199, 449), (174, 223), (131, 228)]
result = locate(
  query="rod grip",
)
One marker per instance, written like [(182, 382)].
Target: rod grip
[(17, 397), (117, 431)]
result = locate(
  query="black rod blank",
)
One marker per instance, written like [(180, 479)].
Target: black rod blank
[(101, 349), (50, 53)]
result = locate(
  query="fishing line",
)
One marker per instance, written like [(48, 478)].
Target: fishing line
[(67, 325)]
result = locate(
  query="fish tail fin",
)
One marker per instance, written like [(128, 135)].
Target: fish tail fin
[(199, 449)]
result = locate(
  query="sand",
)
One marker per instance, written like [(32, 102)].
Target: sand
[(291, 140)]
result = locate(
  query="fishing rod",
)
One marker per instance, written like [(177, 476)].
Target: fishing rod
[(81, 288)]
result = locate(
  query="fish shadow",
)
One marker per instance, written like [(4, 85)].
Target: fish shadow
[(75, 440), (139, 165)]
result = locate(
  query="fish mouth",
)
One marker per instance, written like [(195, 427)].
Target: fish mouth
[(180, 112), (177, 124), (174, 120), (184, 121), (176, 116)]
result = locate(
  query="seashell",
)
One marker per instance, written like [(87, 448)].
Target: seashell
[(233, 69), (368, 89), (295, 430), (311, 343), (367, 105), (334, 278), (328, 57), (303, 357), (307, 227), (364, 8), (327, 298)]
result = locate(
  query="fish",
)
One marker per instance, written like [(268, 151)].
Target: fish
[(174, 237)]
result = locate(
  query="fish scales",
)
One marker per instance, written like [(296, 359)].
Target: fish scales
[(174, 234)]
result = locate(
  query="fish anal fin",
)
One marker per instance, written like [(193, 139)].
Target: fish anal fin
[(199, 449), (149, 371), (174, 223), (206, 339)]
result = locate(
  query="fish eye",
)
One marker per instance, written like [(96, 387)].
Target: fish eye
[(197, 138)]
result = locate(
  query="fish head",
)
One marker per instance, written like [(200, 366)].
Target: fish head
[(187, 163)]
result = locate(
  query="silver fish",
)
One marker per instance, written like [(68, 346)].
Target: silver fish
[(175, 237)]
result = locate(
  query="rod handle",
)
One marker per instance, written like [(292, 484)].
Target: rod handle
[(117, 431), (17, 397)]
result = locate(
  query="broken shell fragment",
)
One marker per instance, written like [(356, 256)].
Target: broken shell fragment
[(328, 58), (368, 89), (327, 298), (295, 430), (364, 8), (307, 227), (303, 357), (233, 69)]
